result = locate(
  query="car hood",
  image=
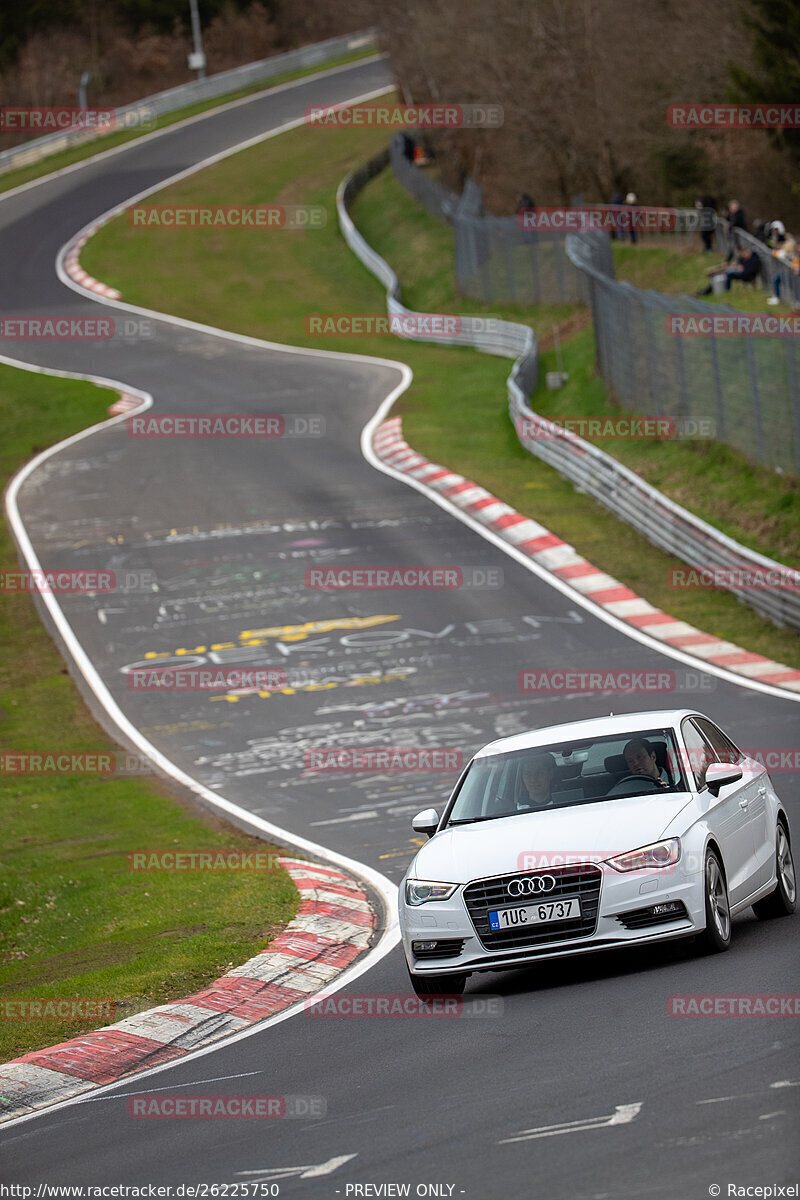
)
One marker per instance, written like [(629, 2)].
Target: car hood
[(530, 840)]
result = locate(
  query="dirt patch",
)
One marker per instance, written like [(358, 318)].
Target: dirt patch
[(567, 328)]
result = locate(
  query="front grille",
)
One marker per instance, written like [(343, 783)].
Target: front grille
[(642, 918), (486, 895), (445, 948)]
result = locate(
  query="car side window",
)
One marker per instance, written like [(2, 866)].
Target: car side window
[(700, 753), (723, 746)]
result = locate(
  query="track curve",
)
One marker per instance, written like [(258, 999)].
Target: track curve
[(228, 530)]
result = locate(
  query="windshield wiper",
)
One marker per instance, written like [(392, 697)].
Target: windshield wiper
[(472, 820)]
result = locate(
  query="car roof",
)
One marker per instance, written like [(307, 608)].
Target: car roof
[(592, 727)]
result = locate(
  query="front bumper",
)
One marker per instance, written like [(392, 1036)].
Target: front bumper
[(619, 895)]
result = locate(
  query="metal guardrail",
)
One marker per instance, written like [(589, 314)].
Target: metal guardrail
[(617, 488), (508, 339), (771, 266), (748, 387), (655, 516), (143, 113)]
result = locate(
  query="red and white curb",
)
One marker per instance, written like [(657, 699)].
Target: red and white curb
[(333, 927), (76, 272), (548, 551), (126, 403)]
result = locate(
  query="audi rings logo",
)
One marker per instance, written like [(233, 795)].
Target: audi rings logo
[(532, 885)]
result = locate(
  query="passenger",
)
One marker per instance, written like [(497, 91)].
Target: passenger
[(537, 775)]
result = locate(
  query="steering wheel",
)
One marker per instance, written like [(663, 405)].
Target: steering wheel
[(659, 783)]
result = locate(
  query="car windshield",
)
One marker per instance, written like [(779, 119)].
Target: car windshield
[(568, 773)]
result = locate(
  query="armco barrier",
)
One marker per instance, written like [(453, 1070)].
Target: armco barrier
[(619, 489), (504, 338), (185, 94)]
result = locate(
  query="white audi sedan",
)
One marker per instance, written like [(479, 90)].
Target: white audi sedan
[(590, 836)]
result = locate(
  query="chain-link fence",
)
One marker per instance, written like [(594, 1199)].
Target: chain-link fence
[(772, 268), (593, 471), (744, 389), (496, 260)]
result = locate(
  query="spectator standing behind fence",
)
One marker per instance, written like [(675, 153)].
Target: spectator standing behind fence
[(631, 198), (617, 200), (789, 254), (526, 203), (706, 235), (734, 217), (746, 269)]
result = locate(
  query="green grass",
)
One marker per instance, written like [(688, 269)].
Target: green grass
[(74, 921), (682, 269), (266, 284), (77, 153)]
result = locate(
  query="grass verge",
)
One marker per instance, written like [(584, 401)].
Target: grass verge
[(266, 284), (75, 922)]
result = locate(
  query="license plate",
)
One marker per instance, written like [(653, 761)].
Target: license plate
[(535, 914)]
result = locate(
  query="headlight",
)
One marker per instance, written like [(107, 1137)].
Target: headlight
[(418, 891), (647, 858)]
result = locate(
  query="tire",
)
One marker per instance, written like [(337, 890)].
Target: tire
[(716, 937), (438, 985), (780, 902)]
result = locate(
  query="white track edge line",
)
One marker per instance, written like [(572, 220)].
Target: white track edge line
[(227, 106), (391, 936)]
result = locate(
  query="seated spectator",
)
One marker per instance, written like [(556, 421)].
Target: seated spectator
[(787, 252), (746, 268)]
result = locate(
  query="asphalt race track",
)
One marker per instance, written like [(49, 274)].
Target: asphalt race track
[(229, 528)]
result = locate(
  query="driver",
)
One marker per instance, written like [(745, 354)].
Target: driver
[(537, 775), (640, 759)]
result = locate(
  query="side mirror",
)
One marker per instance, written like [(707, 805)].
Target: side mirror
[(719, 774), (426, 822)]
